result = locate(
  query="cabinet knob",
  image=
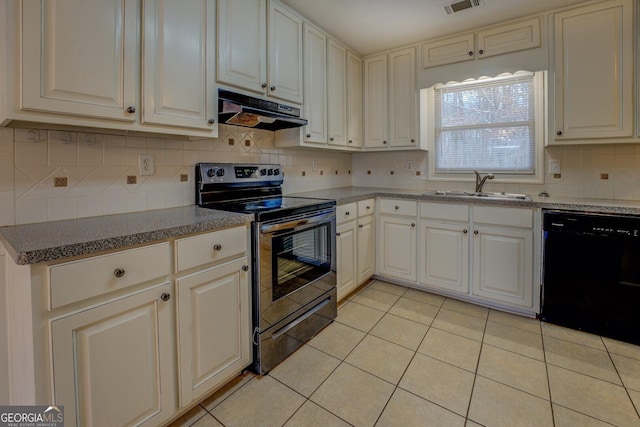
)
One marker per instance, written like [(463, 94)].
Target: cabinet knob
[(413, 224), (475, 231), (347, 213), (465, 231), (396, 207), (470, 53), (245, 268), (165, 296), (481, 51), (331, 139), (413, 141), (211, 121), (350, 141), (360, 226), (263, 85), (368, 207), (272, 88), (559, 133), (338, 234), (131, 109), (384, 142), (119, 272), (308, 135), (217, 247)]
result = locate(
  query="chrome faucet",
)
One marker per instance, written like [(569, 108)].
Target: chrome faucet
[(481, 180)]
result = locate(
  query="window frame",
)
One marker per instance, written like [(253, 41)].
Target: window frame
[(428, 131)]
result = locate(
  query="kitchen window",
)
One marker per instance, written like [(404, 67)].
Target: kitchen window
[(488, 124)]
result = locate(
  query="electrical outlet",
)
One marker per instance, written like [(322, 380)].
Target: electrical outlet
[(147, 164), (314, 165), (554, 166)]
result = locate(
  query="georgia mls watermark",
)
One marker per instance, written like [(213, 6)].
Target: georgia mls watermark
[(31, 416)]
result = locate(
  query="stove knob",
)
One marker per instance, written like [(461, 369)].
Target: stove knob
[(276, 171), (269, 171), (220, 172), (211, 173), (263, 172)]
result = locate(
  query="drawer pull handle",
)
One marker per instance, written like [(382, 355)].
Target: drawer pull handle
[(347, 213), (165, 296), (245, 268), (119, 272), (217, 247)]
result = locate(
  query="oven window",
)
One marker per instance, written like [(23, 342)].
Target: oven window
[(300, 258)]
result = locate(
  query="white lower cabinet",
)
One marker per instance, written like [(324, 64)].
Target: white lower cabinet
[(355, 242), (114, 363), (397, 234), (444, 259), (214, 327)]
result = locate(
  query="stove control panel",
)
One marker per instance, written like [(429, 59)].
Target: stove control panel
[(230, 173)]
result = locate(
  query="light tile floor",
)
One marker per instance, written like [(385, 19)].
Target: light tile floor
[(401, 357)]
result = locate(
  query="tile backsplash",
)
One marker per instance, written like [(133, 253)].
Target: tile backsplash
[(96, 167)]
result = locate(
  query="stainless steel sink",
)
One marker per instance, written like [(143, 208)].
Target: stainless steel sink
[(480, 195)]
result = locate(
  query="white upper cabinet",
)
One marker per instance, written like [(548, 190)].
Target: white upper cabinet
[(242, 48), (594, 71), (509, 38), (496, 40), (448, 51), (403, 109), (79, 57), (315, 85), (246, 33), (354, 101), (390, 100), (285, 54), (375, 101), (337, 92), (178, 57)]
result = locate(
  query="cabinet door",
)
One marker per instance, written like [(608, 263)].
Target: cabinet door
[(375, 101), (365, 250), (509, 38), (214, 328), (444, 255), (79, 57), (354, 100), (285, 54), (242, 50), (448, 51), (594, 101), (315, 85), (503, 265), (179, 57), (402, 98), (337, 92), (115, 362), (397, 255), (346, 258)]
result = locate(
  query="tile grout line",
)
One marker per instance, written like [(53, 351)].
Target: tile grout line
[(626, 389), (475, 374)]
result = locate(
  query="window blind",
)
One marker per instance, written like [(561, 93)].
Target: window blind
[(487, 125)]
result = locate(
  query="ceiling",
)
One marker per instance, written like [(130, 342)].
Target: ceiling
[(370, 26)]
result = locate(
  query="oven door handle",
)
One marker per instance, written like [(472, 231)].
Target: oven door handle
[(293, 225)]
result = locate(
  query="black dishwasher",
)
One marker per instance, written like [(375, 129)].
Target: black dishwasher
[(591, 275)]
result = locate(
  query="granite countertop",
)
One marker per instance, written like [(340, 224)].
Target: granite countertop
[(49, 241), (346, 195)]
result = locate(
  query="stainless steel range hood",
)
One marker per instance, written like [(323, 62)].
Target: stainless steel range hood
[(242, 110)]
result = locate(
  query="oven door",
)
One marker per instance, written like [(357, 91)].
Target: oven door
[(295, 265)]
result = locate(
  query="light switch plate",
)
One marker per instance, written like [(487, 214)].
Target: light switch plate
[(146, 164), (554, 166)]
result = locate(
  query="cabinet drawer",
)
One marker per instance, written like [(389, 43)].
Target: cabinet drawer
[(366, 207), (446, 211), (399, 207), (346, 212), (197, 250), (78, 280), (514, 217)]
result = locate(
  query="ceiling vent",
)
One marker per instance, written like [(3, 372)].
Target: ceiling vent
[(459, 6)]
